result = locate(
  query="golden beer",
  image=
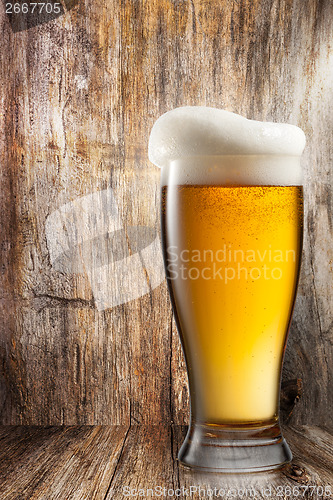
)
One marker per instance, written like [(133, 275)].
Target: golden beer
[(232, 212), (232, 258)]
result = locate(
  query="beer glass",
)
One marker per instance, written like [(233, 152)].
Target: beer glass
[(232, 240)]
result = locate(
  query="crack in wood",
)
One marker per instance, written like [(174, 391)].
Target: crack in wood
[(117, 464)]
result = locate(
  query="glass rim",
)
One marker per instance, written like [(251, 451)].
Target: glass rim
[(249, 155)]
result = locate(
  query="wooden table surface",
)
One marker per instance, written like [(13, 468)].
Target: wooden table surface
[(114, 462)]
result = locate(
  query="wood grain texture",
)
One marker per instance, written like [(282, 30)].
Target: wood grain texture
[(79, 96), (105, 463), (58, 462)]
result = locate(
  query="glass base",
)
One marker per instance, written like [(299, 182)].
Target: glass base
[(219, 448)]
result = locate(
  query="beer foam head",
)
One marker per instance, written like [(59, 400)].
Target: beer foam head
[(200, 131), (185, 134)]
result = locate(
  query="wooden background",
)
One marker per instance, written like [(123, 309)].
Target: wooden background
[(79, 96)]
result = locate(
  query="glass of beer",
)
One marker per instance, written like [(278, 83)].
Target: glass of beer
[(232, 229)]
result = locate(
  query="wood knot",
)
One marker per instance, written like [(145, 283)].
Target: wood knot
[(297, 473), (291, 391)]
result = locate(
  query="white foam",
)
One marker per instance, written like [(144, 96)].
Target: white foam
[(240, 170), (184, 135)]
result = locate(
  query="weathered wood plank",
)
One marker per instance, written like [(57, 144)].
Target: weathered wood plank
[(79, 96), (316, 456), (115, 462), (58, 463), (146, 462)]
